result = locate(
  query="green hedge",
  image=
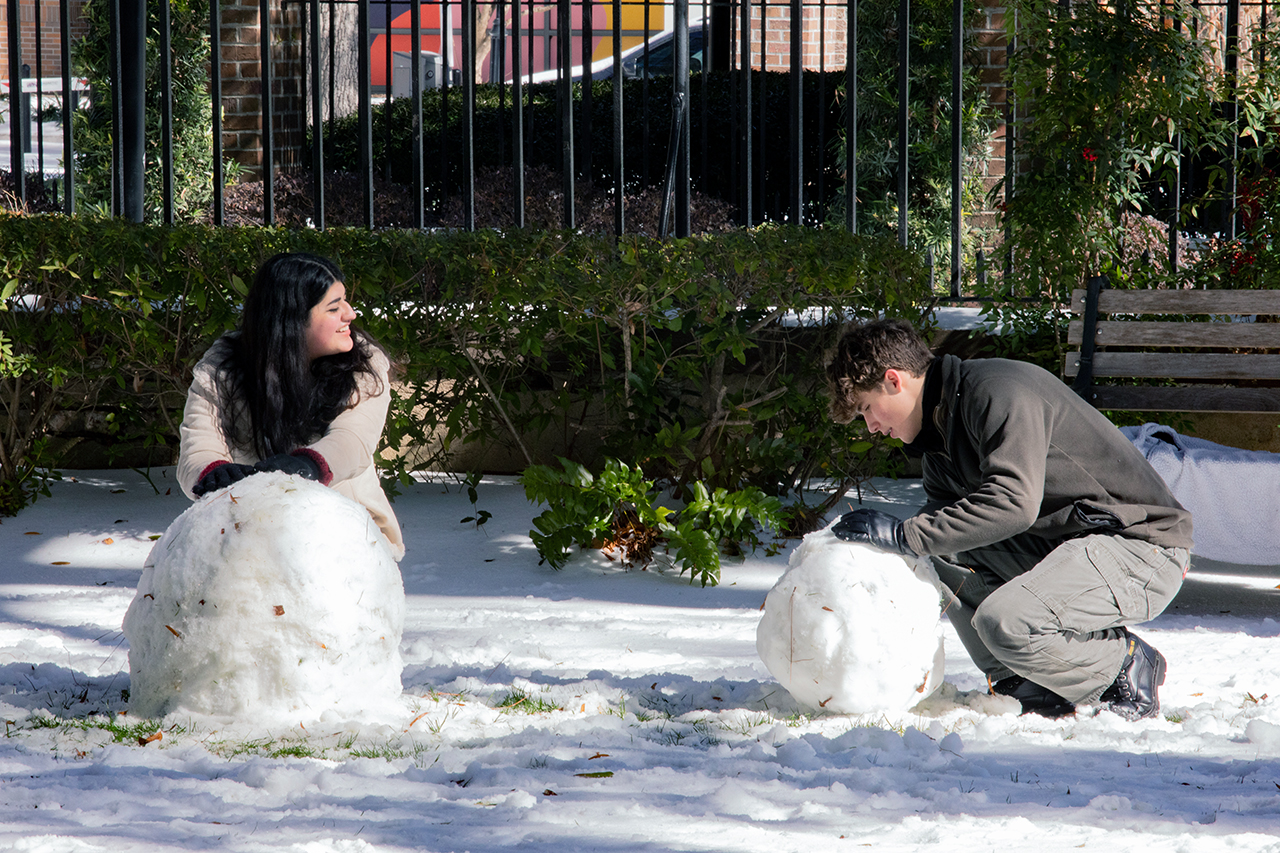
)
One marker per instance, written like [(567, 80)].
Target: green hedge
[(680, 356)]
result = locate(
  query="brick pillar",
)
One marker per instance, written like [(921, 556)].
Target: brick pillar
[(242, 83), (990, 58), (817, 51)]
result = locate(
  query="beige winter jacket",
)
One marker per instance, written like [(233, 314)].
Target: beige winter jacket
[(347, 446)]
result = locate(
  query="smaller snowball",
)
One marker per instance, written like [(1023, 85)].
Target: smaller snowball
[(276, 598), (853, 629), (1265, 735)]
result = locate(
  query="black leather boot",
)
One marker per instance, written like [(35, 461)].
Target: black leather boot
[(1033, 698), (1133, 694)]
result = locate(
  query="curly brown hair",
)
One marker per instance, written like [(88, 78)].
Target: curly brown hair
[(862, 356)]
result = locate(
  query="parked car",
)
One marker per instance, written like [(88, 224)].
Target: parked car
[(660, 60)]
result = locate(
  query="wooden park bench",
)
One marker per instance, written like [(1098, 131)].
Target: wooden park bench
[(1213, 349)]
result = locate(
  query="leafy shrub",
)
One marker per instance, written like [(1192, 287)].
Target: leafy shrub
[(1117, 102), (192, 128), (697, 360), (614, 511)]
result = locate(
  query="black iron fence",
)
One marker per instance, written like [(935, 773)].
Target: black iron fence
[(763, 103)]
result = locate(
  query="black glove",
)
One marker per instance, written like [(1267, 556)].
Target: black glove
[(872, 527), (221, 477), (288, 463)]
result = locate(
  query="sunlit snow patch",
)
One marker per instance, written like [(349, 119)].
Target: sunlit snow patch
[(275, 597), (853, 629)]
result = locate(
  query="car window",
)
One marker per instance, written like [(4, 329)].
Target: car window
[(662, 57)]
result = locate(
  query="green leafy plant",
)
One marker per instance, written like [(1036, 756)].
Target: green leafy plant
[(192, 127), (478, 516), (615, 512)]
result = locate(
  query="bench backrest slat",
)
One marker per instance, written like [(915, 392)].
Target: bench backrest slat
[(1160, 365), (1153, 333), (1169, 398), (1241, 302)]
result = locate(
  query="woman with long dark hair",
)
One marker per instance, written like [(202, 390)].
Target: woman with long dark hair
[(295, 389)]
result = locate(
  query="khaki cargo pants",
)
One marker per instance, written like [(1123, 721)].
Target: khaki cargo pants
[(1052, 616)]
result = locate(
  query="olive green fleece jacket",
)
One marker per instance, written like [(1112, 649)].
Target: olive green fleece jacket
[(1022, 453)]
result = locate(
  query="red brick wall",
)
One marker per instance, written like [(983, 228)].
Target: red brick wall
[(49, 36)]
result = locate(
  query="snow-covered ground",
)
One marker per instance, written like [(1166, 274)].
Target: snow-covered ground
[(638, 716)]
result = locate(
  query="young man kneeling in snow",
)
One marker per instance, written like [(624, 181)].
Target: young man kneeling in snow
[(1048, 525)]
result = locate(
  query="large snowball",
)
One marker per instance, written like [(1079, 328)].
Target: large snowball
[(853, 629), (273, 598)]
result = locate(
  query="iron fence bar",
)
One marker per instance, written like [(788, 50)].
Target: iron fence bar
[(1193, 27), (17, 167), (820, 198), (1230, 60), (117, 118), (745, 66), (1010, 146), (733, 56), (1262, 49), (680, 86), (70, 99), (215, 99), (761, 150), (24, 110), (517, 114), (564, 97), (416, 146), (499, 75), (669, 178), (446, 71), (317, 121), (304, 79), (1175, 189), (364, 110), (333, 58), (133, 89), (904, 86), (266, 103), (388, 79), (644, 99), (796, 72), (166, 112), (587, 37), (619, 176), (468, 10), (39, 28), (708, 63), (851, 118), (957, 141)]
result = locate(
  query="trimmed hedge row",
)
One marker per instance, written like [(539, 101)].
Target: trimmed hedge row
[(699, 359)]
